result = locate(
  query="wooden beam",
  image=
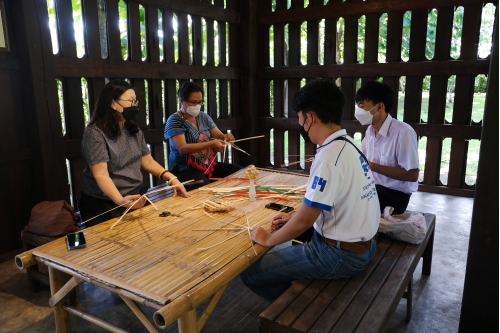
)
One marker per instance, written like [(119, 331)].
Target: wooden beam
[(355, 9), (195, 7), (429, 130), (460, 192), (421, 68), (41, 105), (101, 68), (481, 274), (9, 64), (249, 80), (15, 156)]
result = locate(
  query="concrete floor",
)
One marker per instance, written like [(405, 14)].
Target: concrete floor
[(437, 298)]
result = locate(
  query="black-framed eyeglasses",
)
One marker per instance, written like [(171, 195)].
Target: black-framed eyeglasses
[(193, 103), (134, 102)]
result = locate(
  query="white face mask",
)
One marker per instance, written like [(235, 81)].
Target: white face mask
[(193, 110), (364, 117)]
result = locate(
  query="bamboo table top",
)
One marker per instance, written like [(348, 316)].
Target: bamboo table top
[(159, 259)]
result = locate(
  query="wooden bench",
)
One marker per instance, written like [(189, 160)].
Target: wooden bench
[(363, 303), (38, 274)]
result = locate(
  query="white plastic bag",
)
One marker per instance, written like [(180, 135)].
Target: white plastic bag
[(408, 227)]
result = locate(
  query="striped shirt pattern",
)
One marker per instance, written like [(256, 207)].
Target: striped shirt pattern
[(123, 156), (176, 125)]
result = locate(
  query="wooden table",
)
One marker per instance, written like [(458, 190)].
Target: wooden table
[(166, 263)]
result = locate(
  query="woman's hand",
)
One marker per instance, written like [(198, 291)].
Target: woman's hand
[(278, 221), (129, 200), (260, 236), (218, 145), (179, 187), (228, 137)]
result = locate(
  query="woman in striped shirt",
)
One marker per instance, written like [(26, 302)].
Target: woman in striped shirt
[(195, 139)]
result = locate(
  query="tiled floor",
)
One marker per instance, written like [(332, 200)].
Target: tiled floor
[(437, 298)]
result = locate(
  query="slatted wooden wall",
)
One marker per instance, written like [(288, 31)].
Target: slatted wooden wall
[(69, 69), (33, 150), (440, 68)]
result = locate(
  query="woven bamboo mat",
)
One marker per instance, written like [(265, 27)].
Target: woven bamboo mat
[(161, 258)]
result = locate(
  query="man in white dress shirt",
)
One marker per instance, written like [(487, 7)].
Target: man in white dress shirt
[(389, 144)]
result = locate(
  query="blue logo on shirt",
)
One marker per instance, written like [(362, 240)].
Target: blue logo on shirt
[(364, 165), (318, 181)]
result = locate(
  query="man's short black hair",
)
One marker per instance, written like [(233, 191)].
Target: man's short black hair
[(376, 92), (323, 97)]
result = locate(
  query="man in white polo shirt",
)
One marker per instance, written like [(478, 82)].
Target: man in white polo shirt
[(340, 203), (389, 144)]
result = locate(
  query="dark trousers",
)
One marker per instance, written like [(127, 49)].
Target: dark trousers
[(91, 206), (221, 170), (388, 197)]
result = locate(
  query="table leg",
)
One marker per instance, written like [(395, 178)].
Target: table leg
[(188, 322), (427, 256), (57, 280), (409, 300)]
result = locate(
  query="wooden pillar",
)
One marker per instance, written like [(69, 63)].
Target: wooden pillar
[(57, 280), (41, 103), (480, 299), (188, 323), (249, 63)]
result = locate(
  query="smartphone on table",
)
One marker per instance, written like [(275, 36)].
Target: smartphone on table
[(279, 207), (75, 240)]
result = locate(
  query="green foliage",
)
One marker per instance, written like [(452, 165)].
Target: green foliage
[(481, 84), (122, 14), (361, 39), (430, 40), (456, 37), (382, 40), (405, 42)]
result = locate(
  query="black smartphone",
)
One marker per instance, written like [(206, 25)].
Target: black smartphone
[(75, 240), (279, 207)]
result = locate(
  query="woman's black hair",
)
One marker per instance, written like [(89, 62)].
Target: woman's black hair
[(107, 119), (188, 88)]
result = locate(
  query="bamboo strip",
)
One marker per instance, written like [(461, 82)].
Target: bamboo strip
[(172, 311), (187, 322), (57, 280), (210, 307), (64, 291), (109, 287), (24, 260), (96, 277), (94, 320), (252, 137), (297, 162), (139, 314)]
